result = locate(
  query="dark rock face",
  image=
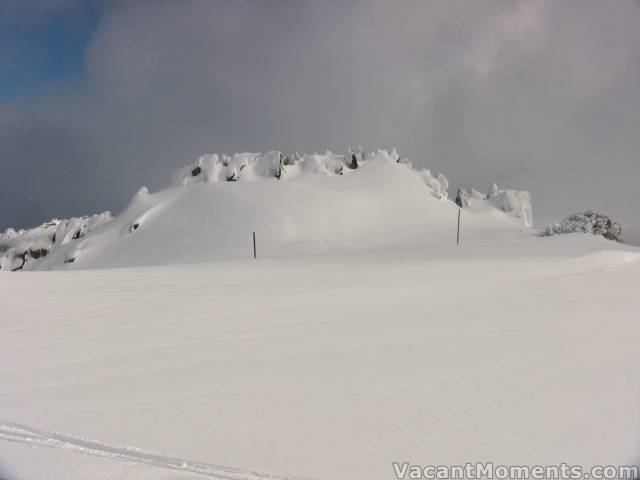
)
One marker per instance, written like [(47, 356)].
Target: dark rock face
[(38, 252), (134, 227), (196, 171)]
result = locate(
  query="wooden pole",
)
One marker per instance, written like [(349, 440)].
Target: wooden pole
[(254, 245), (458, 235)]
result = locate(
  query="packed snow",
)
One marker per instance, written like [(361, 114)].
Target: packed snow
[(329, 366)]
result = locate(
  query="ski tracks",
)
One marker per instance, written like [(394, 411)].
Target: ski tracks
[(15, 432)]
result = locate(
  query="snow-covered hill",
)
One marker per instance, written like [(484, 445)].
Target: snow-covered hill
[(362, 336), (296, 204)]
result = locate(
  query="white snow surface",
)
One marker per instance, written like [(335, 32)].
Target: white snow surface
[(362, 334), (329, 366), (319, 204)]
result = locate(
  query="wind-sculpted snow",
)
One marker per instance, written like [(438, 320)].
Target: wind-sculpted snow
[(296, 204)]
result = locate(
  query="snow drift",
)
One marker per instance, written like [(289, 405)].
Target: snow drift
[(296, 204)]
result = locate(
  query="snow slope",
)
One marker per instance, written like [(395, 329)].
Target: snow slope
[(319, 204), (328, 366), (362, 334)]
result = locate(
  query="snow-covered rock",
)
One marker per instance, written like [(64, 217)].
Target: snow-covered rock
[(439, 184), (462, 198), (279, 165), (19, 248), (515, 203)]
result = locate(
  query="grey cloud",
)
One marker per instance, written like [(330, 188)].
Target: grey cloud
[(536, 95)]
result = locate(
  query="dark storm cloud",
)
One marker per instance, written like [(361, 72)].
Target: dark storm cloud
[(536, 95)]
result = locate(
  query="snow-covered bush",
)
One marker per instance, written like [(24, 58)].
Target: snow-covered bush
[(586, 222), (354, 157)]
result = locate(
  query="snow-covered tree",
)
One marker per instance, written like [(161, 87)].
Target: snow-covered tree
[(586, 222)]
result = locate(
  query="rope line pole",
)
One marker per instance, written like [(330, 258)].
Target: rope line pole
[(254, 245)]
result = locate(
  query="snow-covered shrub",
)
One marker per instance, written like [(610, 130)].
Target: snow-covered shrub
[(586, 222), (355, 156)]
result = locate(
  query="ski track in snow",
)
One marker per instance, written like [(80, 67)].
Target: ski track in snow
[(18, 433)]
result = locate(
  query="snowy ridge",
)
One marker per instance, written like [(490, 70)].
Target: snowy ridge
[(15, 432), (296, 203)]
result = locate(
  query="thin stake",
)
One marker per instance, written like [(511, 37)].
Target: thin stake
[(458, 235), (254, 245)]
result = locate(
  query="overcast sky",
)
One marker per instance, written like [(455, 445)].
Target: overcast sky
[(98, 98)]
